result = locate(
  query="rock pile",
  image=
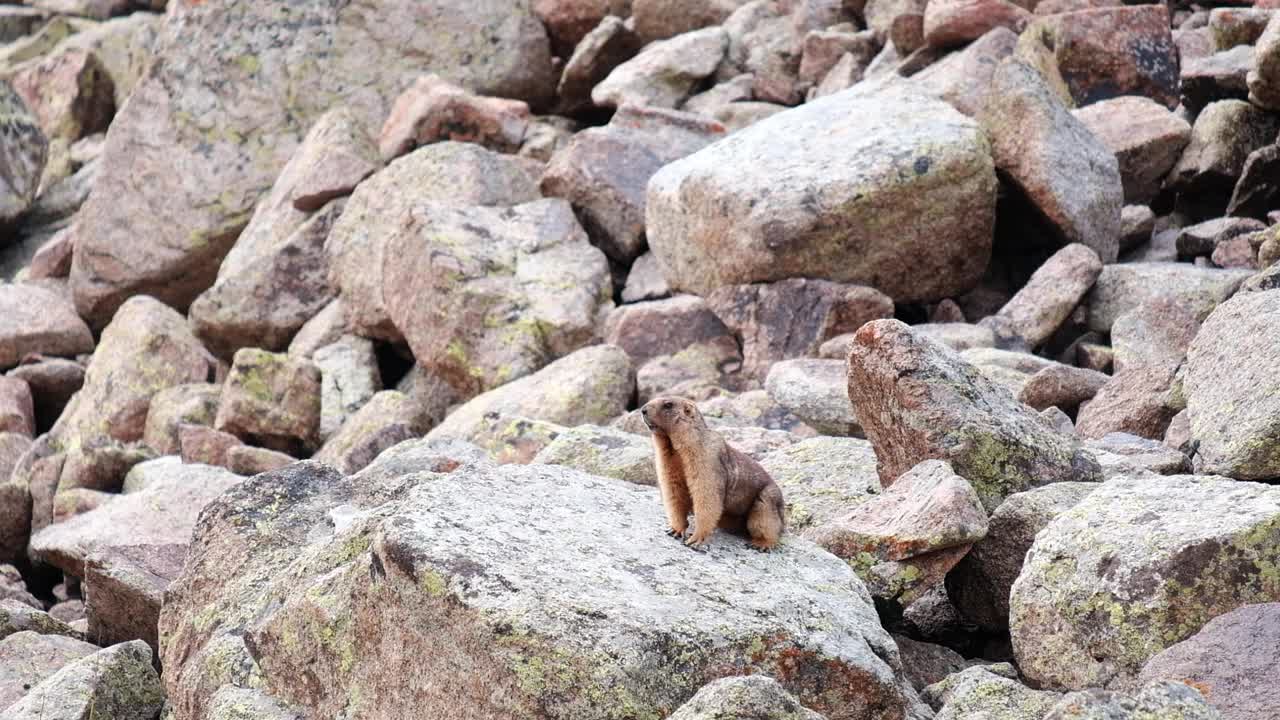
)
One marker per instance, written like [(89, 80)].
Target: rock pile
[(323, 327)]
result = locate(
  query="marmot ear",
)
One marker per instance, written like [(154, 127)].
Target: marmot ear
[(688, 410)]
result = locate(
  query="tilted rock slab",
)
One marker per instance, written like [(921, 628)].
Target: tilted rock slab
[(234, 87), (524, 591), (918, 399), (892, 189), (1138, 565)]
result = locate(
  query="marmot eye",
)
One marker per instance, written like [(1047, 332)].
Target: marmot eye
[(667, 405)]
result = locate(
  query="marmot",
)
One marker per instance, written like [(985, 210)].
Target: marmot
[(699, 471)]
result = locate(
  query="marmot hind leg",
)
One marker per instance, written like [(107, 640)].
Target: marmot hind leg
[(765, 522)]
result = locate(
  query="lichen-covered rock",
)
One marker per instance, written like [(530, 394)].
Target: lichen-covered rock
[(665, 72), (917, 400), (388, 418), (26, 149), (1062, 168), (34, 320), (116, 682), (275, 277), (447, 172), (1172, 700), (1231, 388), (979, 585), (485, 296), (815, 391), (434, 109), (1257, 190), (701, 370), (792, 318), (592, 385), (749, 697), (162, 513), (1136, 567), (70, 94), (822, 479), (1264, 77), (227, 103), (604, 171), (1124, 286), (1124, 454), (888, 189), (27, 658), (193, 404), (1234, 661), (421, 552), (16, 617), (979, 693), (1223, 136), (603, 451), (146, 348), (1052, 293), (125, 587), (349, 377), (271, 397), (1145, 136)]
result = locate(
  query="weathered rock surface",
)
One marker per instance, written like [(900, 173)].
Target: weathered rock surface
[(822, 479), (1264, 78), (1233, 660), (16, 617), (146, 348), (1223, 136), (1140, 401), (117, 682), (1146, 138), (34, 320), (271, 397), (201, 444), (815, 390), (349, 377), (420, 550), (963, 77), (17, 412), (26, 150), (749, 697), (603, 451), (1052, 293), (592, 385), (647, 330), (979, 693), (1123, 454), (485, 296), (221, 107), (388, 418), (27, 658), (979, 585), (125, 587), (1124, 286), (665, 72), (1065, 171), (1231, 388), (1159, 699), (917, 399), (275, 277), (842, 170), (1062, 386), (173, 407), (434, 109), (1155, 333), (1136, 567), (447, 172)]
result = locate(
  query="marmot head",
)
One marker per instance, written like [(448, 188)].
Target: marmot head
[(666, 414)]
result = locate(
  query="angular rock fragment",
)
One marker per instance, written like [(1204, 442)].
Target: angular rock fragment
[(271, 397), (815, 390), (1146, 138), (434, 109), (602, 451), (117, 682), (388, 418), (748, 696), (34, 320), (665, 72), (125, 587)]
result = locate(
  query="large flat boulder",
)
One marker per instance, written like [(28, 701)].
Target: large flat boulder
[(890, 189), (228, 101), (1135, 567), (496, 599)]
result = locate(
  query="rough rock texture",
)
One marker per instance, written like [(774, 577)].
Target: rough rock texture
[(1231, 388), (1257, 191), (962, 78), (124, 586), (26, 150), (1234, 660), (1052, 293), (271, 397), (592, 385), (647, 330), (1223, 136), (162, 513), (194, 404), (792, 318), (979, 693), (117, 682), (203, 445), (388, 418), (447, 172), (916, 399), (17, 413), (27, 658), (1157, 700), (927, 663), (1264, 78), (1136, 567), (330, 564), (53, 382), (1124, 286), (612, 42), (146, 348), (979, 585), (1146, 138), (603, 451), (604, 171), (223, 108), (1140, 402), (811, 192), (434, 109), (1123, 454), (34, 320), (248, 460), (485, 296), (815, 391), (750, 697), (822, 478), (1066, 173), (665, 72), (1062, 386), (957, 22), (1155, 333), (274, 278), (349, 377)]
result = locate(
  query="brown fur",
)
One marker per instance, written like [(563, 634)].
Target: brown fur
[(699, 472)]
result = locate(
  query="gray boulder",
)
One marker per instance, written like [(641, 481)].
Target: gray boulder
[(747, 697)]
